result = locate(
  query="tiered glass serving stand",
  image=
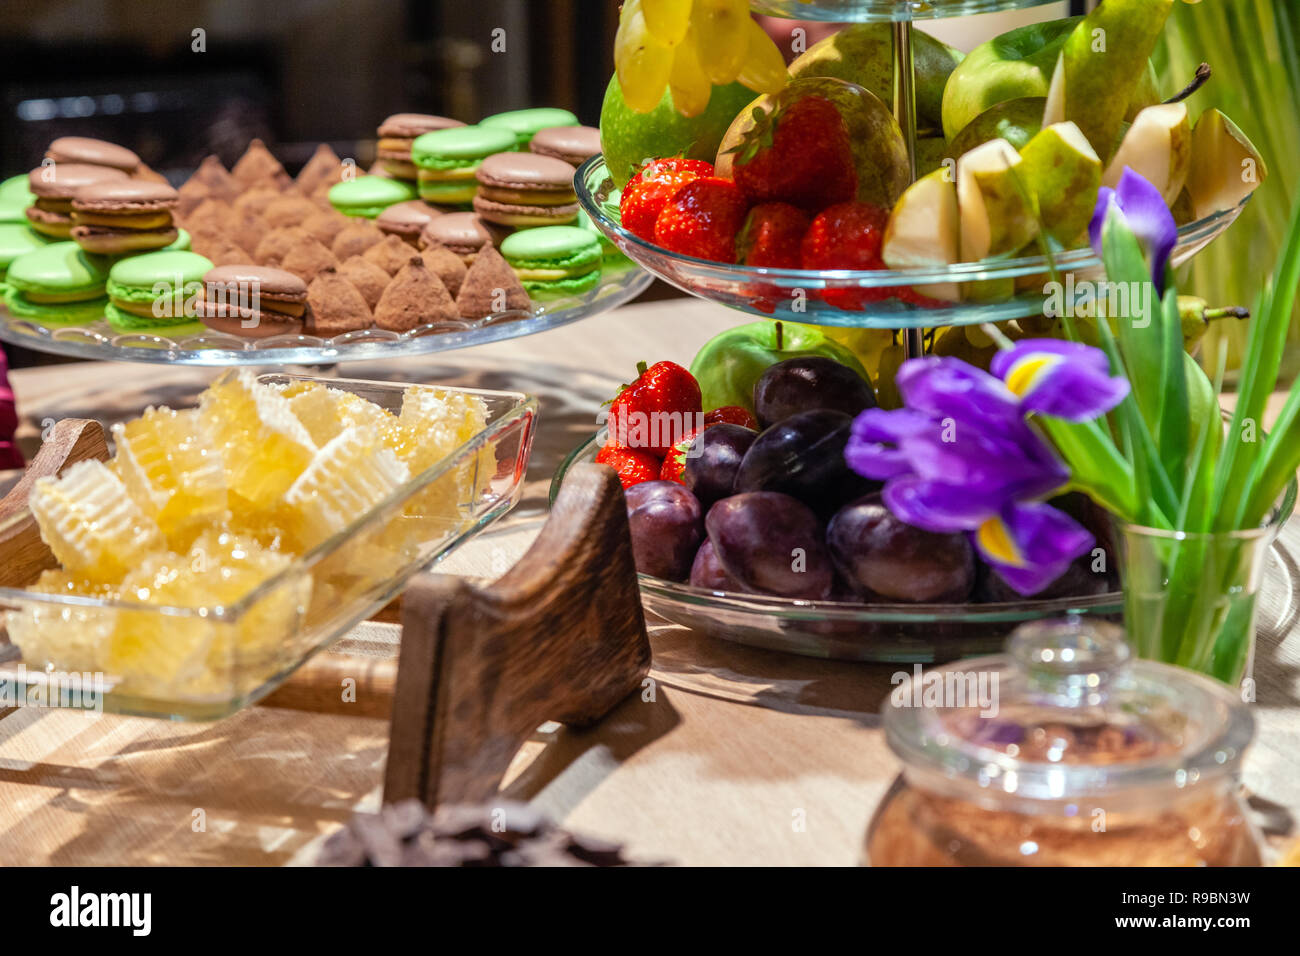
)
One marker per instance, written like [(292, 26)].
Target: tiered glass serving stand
[(842, 630)]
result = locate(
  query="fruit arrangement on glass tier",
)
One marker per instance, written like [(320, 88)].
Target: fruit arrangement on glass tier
[(811, 201), (458, 235), (747, 520), (195, 563)]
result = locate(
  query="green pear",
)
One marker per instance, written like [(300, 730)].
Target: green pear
[(1017, 64), (1062, 170), (862, 54), (931, 151), (1102, 67), (924, 230), (1016, 121), (997, 211), (1225, 165), (1159, 147)]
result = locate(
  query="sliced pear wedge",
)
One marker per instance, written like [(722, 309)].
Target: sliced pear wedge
[(1158, 146), (1063, 171), (1225, 166), (924, 230)]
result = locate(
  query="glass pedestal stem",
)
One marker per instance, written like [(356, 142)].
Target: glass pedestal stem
[(905, 113)]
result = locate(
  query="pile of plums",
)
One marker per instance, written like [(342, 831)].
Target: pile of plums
[(779, 512)]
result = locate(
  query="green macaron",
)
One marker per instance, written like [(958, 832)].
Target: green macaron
[(554, 261), (157, 292), (610, 256), (368, 196), (524, 124), (57, 284), (182, 243), (446, 160)]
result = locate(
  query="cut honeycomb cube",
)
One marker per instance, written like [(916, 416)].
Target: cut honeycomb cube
[(90, 522)]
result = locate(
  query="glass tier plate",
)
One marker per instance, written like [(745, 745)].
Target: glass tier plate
[(862, 11), (797, 294), (99, 341), (887, 633), (254, 644)]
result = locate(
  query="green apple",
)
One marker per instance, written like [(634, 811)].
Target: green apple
[(1019, 63), (628, 138), (863, 54), (1225, 165), (1062, 170), (1016, 121), (1158, 145), (1102, 67), (923, 230), (730, 363)]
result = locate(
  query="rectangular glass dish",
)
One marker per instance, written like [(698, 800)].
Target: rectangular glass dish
[(205, 663)]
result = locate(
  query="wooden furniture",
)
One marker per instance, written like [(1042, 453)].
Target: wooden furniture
[(731, 756)]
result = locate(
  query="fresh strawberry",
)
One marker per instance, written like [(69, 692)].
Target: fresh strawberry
[(847, 236), (731, 415), (656, 410), (800, 154), (633, 466), (772, 235), (654, 185), (702, 219)]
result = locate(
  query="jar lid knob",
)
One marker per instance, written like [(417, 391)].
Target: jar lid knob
[(1071, 660)]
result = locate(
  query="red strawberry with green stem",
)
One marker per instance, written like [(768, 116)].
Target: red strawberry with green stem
[(702, 219), (847, 235), (800, 154), (656, 410)]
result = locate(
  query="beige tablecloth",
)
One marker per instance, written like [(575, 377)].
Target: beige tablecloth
[(744, 756)]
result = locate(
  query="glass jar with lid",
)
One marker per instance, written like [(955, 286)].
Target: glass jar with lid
[(1064, 752)]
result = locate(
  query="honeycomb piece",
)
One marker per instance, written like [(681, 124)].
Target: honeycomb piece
[(63, 637), (325, 412), (90, 522), (171, 470), (262, 444), (348, 477)]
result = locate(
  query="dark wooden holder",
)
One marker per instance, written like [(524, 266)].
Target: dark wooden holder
[(560, 637)]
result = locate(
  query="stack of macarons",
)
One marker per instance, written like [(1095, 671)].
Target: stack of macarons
[(158, 293), (525, 190), (398, 132), (554, 261), (447, 160)]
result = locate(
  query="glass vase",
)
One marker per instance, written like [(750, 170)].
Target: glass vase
[(1190, 599)]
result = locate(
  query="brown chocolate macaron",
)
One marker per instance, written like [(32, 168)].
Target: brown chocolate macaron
[(396, 135), (464, 233), (253, 301), (116, 217), (407, 219), (415, 297), (92, 152), (573, 144), (521, 190), (54, 185)]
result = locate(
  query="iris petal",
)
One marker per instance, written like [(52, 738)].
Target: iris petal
[(1043, 541), (935, 505)]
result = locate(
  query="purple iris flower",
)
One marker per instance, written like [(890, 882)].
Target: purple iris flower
[(960, 455), (1143, 209)]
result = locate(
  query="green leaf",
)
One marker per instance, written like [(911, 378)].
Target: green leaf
[(1140, 338), (1096, 466), (1173, 420)]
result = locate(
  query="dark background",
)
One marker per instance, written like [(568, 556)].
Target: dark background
[(293, 72)]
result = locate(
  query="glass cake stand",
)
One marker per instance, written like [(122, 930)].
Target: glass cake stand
[(99, 341)]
